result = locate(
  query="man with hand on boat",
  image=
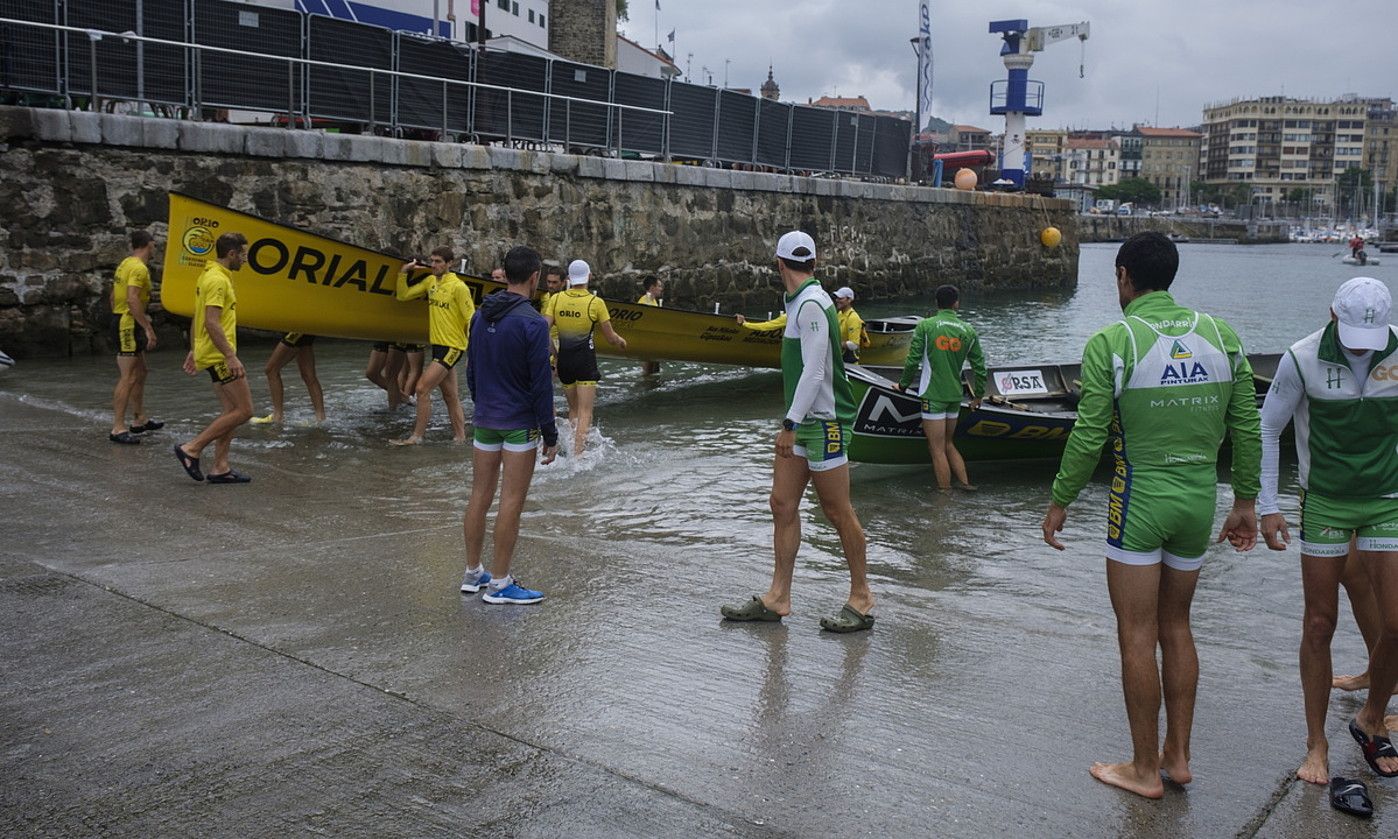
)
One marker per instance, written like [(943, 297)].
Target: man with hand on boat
[(812, 444), (1165, 384), (652, 289), (941, 347), (576, 313), (1340, 387), (449, 311), (853, 335)]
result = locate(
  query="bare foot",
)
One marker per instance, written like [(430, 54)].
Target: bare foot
[(1176, 770), (1385, 764), (967, 487), (406, 441), (1124, 775), (1351, 683), (1315, 769), (1390, 722)]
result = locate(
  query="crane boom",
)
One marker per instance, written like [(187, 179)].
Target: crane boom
[(1041, 36)]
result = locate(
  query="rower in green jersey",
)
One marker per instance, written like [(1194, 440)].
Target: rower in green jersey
[(1339, 386), (812, 445), (942, 344), (1166, 384)]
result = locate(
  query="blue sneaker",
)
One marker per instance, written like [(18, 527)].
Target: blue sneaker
[(513, 595), (473, 583)]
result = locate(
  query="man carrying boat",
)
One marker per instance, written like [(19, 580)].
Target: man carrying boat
[(576, 313), (653, 289), (1166, 384), (1340, 387), (811, 445), (449, 311), (301, 347), (942, 344)]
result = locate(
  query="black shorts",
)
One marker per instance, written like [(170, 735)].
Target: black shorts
[(127, 335), (296, 340), (408, 347), (448, 356), (380, 346), (221, 374), (578, 366)]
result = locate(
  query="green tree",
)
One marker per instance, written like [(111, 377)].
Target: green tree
[(621, 10), (1135, 190)]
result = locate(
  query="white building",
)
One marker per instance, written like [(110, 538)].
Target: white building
[(526, 20), (631, 57)]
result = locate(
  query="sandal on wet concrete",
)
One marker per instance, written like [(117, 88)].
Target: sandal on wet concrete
[(148, 425), (1350, 796), (850, 619), (229, 477), (753, 610), (190, 464), (126, 438), (1374, 747)]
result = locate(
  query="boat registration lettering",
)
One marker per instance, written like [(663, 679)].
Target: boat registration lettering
[(991, 428), (1021, 383)]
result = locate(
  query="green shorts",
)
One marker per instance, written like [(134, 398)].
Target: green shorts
[(511, 440), (823, 443), (934, 410), (1161, 514), (1327, 523)]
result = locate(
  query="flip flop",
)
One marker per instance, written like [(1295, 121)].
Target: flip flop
[(753, 610), (190, 464), (229, 477), (265, 420), (148, 425), (126, 438), (1350, 796), (1374, 748), (850, 619)]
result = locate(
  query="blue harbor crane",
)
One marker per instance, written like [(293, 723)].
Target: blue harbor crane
[(1018, 97)]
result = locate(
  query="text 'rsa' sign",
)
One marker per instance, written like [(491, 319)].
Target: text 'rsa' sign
[(1020, 383)]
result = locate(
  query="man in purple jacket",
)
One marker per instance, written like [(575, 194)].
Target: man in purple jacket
[(507, 370)]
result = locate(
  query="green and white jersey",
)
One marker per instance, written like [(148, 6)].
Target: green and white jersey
[(1345, 408), (941, 346), (1167, 384), (813, 371)]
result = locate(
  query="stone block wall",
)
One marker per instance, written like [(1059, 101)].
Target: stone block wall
[(74, 184), (584, 31)]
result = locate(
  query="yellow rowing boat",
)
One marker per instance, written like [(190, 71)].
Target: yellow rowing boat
[(296, 281)]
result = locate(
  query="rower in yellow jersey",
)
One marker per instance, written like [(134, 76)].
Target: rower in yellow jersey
[(449, 311), (133, 335), (653, 291), (853, 335), (577, 312)]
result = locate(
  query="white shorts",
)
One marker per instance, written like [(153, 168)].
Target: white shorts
[(1155, 557)]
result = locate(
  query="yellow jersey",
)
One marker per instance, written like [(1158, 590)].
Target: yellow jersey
[(131, 272), (852, 328), (647, 300), (449, 307), (576, 312), (214, 288)]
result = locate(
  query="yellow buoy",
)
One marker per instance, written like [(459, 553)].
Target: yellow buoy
[(965, 179), (1051, 237)]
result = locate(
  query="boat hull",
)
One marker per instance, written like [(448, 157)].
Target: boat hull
[(296, 281)]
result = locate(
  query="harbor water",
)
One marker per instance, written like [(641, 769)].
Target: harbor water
[(976, 704)]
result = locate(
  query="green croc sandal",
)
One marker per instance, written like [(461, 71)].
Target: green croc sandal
[(753, 610), (849, 620)]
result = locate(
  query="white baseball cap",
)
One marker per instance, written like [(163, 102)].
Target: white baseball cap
[(1362, 308), (578, 272), (796, 246), (846, 292)]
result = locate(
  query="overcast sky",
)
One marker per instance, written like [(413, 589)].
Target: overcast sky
[(1193, 52)]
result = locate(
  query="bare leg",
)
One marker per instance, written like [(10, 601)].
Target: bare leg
[(1179, 669), (936, 434), (570, 395), (789, 478), (374, 371), (586, 396), (451, 394), (236, 401), (832, 488), (306, 364), (412, 372), (138, 392), (121, 394), (392, 373), (954, 460), (1383, 661), (1135, 593), (430, 379), (485, 475), (1320, 582), (281, 354), (1366, 614), (514, 489)]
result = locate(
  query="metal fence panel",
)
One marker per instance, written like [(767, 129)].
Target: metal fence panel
[(240, 81), (812, 136), (29, 57), (772, 132), (846, 130), (420, 102), (496, 113), (338, 93), (891, 147), (864, 145), (165, 69), (692, 123), (581, 125), (736, 115), (639, 130), (115, 73)]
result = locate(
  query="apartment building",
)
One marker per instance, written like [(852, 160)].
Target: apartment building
[(1170, 160), (1045, 149), (1091, 161)]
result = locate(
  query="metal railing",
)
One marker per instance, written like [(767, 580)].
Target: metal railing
[(459, 90)]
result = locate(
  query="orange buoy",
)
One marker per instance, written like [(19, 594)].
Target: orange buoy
[(965, 179), (1051, 237)]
